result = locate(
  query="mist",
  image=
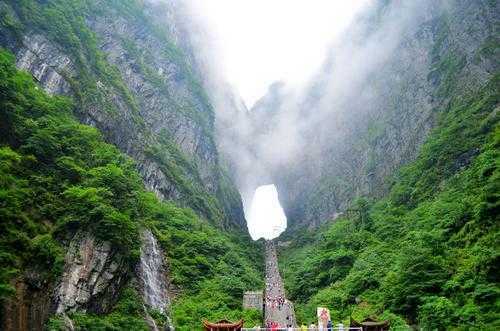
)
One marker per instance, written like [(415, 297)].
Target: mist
[(266, 218), (295, 124), (304, 123)]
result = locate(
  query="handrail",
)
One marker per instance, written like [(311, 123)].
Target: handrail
[(345, 328)]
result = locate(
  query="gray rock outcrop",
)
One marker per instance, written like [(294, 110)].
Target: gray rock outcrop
[(46, 63), (93, 275)]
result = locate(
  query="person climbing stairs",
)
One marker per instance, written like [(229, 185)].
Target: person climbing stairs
[(278, 311)]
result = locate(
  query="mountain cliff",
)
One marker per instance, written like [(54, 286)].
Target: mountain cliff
[(133, 81), (373, 103), (105, 141)]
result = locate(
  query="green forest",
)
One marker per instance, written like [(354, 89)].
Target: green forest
[(138, 141), (429, 253), (59, 177)]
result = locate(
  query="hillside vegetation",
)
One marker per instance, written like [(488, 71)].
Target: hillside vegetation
[(59, 177), (100, 87), (429, 253)]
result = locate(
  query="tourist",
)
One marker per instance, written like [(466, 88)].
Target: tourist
[(313, 327), (329, 325), (303, 327)]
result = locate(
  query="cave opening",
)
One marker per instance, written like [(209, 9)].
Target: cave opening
[(266, 218)]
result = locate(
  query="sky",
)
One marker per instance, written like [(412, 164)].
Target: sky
[(259, 42), (263, 41), (266, 218)]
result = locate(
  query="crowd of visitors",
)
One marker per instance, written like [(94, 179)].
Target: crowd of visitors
[(279, 311), (274, 326)]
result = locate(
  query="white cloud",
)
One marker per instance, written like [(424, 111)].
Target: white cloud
[(262, 41), (266, 218)]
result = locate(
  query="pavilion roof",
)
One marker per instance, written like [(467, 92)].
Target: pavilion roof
[(223, 325)]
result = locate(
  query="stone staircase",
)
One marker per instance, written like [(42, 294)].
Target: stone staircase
[(276, 307)]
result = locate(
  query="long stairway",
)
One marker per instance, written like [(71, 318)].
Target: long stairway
[(277, 308)]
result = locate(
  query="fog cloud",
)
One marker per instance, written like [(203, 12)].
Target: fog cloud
[(294, 126)]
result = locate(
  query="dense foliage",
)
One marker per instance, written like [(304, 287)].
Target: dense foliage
[(428, 254), (58, 177)]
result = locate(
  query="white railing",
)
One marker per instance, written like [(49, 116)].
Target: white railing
[(345, 328)]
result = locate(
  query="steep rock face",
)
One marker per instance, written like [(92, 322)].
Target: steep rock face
[(169, 105), (160, 116), (374, 121), (46, 64), (93, 275)]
